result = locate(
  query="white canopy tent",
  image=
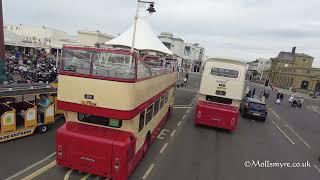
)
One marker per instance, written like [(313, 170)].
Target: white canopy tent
[(145, 39)]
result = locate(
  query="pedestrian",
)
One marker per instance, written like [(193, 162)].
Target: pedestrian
[(281, 97), (253, 92), (300, 103), (292, 98), (185, 81), (248, 91)]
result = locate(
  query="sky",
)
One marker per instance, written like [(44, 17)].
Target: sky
[(246, 29)]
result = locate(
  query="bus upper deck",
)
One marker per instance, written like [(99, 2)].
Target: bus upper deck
[(220, 93), (115, 104), (118, 76), (20, 111)]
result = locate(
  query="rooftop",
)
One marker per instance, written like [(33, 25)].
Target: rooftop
[(289, 56)]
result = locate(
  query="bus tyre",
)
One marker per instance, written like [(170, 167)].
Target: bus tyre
[(146, 144), (169, 112), (43, 129)]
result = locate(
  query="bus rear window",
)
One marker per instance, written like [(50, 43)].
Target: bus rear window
[(218, 99), (224, 72), (98, 120)]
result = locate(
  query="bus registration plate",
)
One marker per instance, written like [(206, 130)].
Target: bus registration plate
[(256, 114)]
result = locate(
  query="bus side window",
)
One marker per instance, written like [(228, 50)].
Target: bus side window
[(141, 121), (149, 114), (156, 107), (162, 101), (166, 98)]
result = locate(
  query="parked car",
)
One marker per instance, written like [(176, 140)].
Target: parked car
[(251, 107)]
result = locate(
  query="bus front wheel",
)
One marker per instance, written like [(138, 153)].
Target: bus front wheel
[(43, 129)]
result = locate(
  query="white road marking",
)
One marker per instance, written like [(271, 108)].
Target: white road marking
[(85, 177), (30, 167), (315, 166), (40, 171), (67, 175), (299, 137), (188, 111), (274, 113), (179, 123), (181, 107), (184, 116), (194, 100), (162, 133), (283, 133), (148, 171), (190, 90), (163, 148), (173, 132), (59, 117)]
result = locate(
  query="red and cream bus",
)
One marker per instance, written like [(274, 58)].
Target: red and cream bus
[(115, 104), (220, 93)]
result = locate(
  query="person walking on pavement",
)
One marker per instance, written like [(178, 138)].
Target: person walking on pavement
[(301, 100), (281, 97), (253, 92), (185, 79), (187, 76)]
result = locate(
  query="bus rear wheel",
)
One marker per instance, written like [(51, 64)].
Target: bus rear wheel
[(146, 144), (169, 112), (43, 129)]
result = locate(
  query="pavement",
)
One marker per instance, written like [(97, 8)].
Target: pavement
[(288, 92), (189, 152)]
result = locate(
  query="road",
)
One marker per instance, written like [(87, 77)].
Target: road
[(189, 152)]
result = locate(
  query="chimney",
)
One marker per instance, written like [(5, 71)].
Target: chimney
[(293, 50)]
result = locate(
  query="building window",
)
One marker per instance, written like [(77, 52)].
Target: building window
[(304, 60), (304, 85), (168, 45)]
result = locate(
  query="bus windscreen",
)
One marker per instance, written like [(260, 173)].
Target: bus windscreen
[(229, 73), (98, 120)]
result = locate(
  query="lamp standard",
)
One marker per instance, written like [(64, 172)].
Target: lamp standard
[(3, 76), (151, 10)]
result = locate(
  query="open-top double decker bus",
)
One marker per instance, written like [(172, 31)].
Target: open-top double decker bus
[(220, 93), (115, 104), (20, 110)]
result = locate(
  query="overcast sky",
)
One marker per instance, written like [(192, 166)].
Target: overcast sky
[(247, 29)]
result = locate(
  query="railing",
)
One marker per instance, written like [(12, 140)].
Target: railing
[(112, 65)]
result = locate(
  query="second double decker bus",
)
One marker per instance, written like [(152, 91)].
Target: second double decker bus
[(220, 93), (115, 104)]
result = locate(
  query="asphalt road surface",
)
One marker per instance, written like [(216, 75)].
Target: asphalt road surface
[(189, 152)]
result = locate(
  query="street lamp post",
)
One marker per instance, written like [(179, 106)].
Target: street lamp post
[(150, 10), (3, 76)]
